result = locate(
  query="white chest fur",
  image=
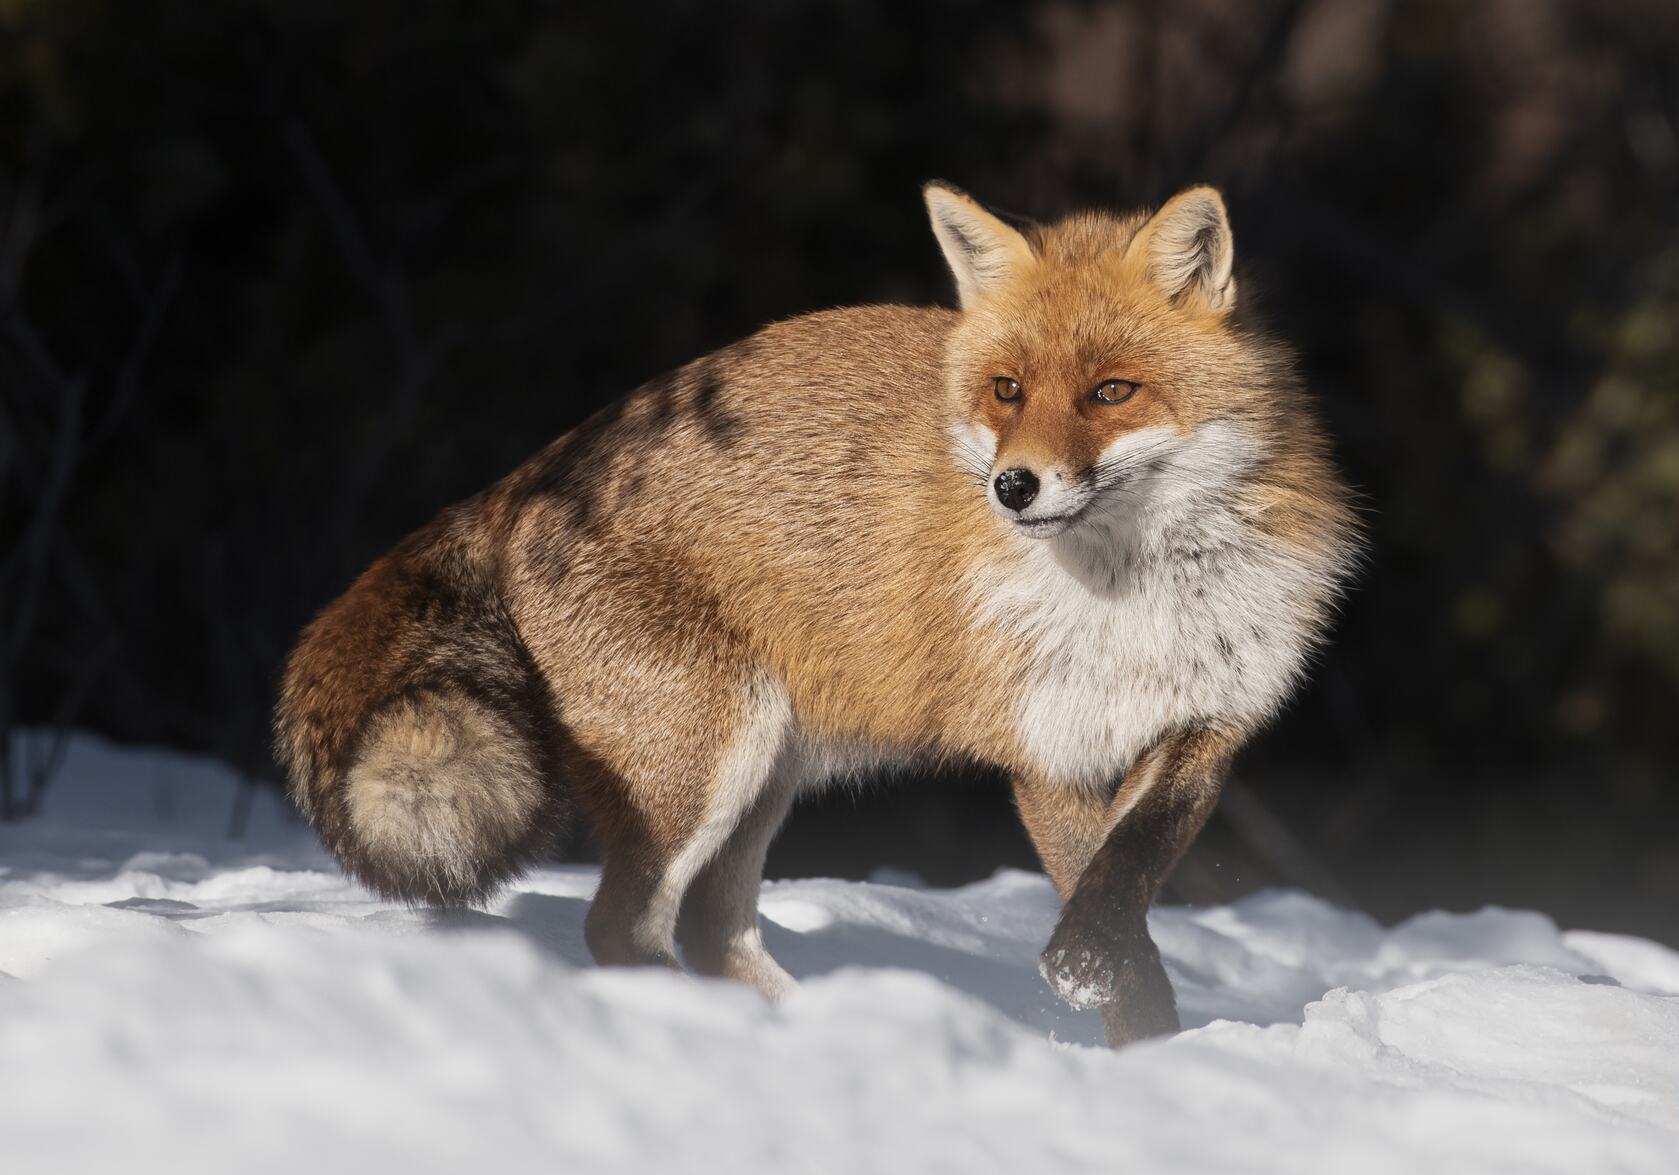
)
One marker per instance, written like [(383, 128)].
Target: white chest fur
[(1164, 610)]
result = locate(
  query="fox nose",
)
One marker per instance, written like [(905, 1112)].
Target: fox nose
[(1016, 488)]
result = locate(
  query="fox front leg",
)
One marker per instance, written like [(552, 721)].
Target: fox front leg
[(1101, 955)]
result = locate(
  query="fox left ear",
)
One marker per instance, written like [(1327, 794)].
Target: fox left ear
[(983, 253), (1190, 251)]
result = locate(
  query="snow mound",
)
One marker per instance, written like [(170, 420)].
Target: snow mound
[(175, 1001)]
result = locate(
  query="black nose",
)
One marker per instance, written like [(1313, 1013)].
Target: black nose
[(1016, 488)]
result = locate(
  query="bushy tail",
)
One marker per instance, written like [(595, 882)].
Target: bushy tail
[(417, 733)]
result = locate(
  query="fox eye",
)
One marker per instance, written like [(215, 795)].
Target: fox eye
[(1006, 388), (1113, 391)]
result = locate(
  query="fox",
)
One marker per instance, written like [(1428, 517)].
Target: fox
[(1084, 529)]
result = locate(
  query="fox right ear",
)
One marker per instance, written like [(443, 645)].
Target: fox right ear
[(983, 253), (1189, 251)]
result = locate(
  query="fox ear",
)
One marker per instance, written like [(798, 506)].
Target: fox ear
[(981, 250), (1190, 250)]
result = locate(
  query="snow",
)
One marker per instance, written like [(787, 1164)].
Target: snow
[(175, 1001)]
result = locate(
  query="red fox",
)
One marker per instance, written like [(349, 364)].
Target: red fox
[(1084, 529)]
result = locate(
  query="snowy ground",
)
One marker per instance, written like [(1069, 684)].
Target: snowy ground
[(171, 1001)]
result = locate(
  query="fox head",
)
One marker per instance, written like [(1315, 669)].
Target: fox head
[(1094, 355)]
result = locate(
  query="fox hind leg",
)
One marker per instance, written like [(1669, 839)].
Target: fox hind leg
[(718, 927), (655, 850)]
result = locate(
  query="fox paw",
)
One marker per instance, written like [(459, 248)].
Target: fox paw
[(1119, 973), (1078, 975)]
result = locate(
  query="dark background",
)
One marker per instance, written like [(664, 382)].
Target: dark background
[(278, 280)]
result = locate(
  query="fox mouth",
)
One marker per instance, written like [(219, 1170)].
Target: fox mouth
[(1043, 528)]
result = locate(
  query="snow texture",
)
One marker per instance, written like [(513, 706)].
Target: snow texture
[(173, 1001)]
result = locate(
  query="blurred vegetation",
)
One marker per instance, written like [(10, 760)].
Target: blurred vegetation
[(279, 278)]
